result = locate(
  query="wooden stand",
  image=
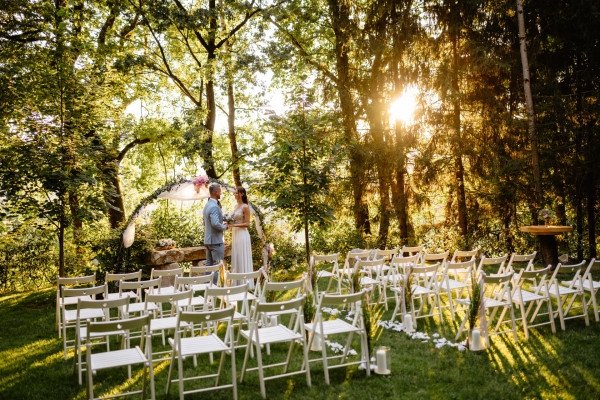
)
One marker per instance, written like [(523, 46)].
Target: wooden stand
[(547, 237)]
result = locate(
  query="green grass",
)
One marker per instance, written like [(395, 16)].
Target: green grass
[(565, 365)]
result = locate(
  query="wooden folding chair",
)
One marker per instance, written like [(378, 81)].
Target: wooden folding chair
[(338, 326), (258, 336), (207, 342), (125, 357)]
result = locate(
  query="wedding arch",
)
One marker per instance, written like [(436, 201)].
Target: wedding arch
[(184, 189)]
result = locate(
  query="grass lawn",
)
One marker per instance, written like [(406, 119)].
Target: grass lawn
[(565, 365)]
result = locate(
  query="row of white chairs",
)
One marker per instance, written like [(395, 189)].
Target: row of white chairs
[(262, 327), (386, 270)]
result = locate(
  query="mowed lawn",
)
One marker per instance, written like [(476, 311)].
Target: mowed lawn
[(565, 365)]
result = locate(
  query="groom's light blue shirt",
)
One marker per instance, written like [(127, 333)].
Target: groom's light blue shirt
[(213, 223)]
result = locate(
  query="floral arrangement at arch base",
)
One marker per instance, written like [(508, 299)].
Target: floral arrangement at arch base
[(546, 214)]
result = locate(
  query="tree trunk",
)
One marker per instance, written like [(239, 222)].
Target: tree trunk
[(458, 164), (340, 21), (591, 220), (211, 105), (113, 196), (232, 136), (535, 159), (61, 239), (579, 220)]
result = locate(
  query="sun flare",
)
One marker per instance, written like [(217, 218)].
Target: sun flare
[(403, 108)]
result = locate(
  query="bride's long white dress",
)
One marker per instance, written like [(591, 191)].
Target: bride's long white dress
[(241, 248)]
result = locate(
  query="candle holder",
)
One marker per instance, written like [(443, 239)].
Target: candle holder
[(410, 324), (475, 340), (383, 360)]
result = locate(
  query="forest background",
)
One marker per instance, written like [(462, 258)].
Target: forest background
[(105, 102)]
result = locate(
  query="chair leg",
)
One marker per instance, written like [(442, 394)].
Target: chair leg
[(594, 303), (325, 366), (560, 311), (261, 375), (514, 325), (180, 373)]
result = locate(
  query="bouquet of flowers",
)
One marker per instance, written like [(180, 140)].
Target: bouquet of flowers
[(547, 214), (228, 217)]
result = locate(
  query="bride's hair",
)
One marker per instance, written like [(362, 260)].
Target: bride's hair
[(242, 191)]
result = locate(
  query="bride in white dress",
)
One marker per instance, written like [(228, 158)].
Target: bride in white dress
[(241, 249)]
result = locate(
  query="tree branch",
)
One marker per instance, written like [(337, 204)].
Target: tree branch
[(129, 146), (305, 54)]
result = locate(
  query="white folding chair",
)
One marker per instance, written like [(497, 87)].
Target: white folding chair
[(372, 275), (240, 278), (94, 308), (316, 263), (411, 251), (109, 279), (205, 343), (423, 281), (589, 285), (520, 261), (195, 284), (338, 326), (259, 336), (497, 263), (349, 265), (455, 278), (497, 294), (464, 255), (125, 357), (168, 278), (432, 258), (398, 268), (69, 315), (537, 279), (562, 292), (69, 282), (140, 288), (284, 291), (212, 270), (167, 321), (231, 296)]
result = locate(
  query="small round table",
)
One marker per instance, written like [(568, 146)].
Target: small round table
[(547, 238)]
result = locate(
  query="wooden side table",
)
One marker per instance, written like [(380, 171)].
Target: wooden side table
[(547, 237)]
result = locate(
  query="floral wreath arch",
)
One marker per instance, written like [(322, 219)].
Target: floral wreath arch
[(185, 189)]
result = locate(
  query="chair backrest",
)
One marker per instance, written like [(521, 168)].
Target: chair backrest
[(325, 257), (488, 261), (115, 327), (120, 304), (204, 269), (533, 275), (464, 255), (499, 287), (198, 317), (294, 287), (137, 286), (588, 272), (127, 276), (187, 282), (87, 291), (76, 280), (411, 250), (298, 304), (432, 258), (455, 268), (173, 299), (212, 293), (573, 273), (385, 254), (341, 299), (405, 261), (521, 259), (354, 254), (166, 272), (369, 266)]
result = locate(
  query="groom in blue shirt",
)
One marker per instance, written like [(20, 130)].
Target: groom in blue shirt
[(214, 228)]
